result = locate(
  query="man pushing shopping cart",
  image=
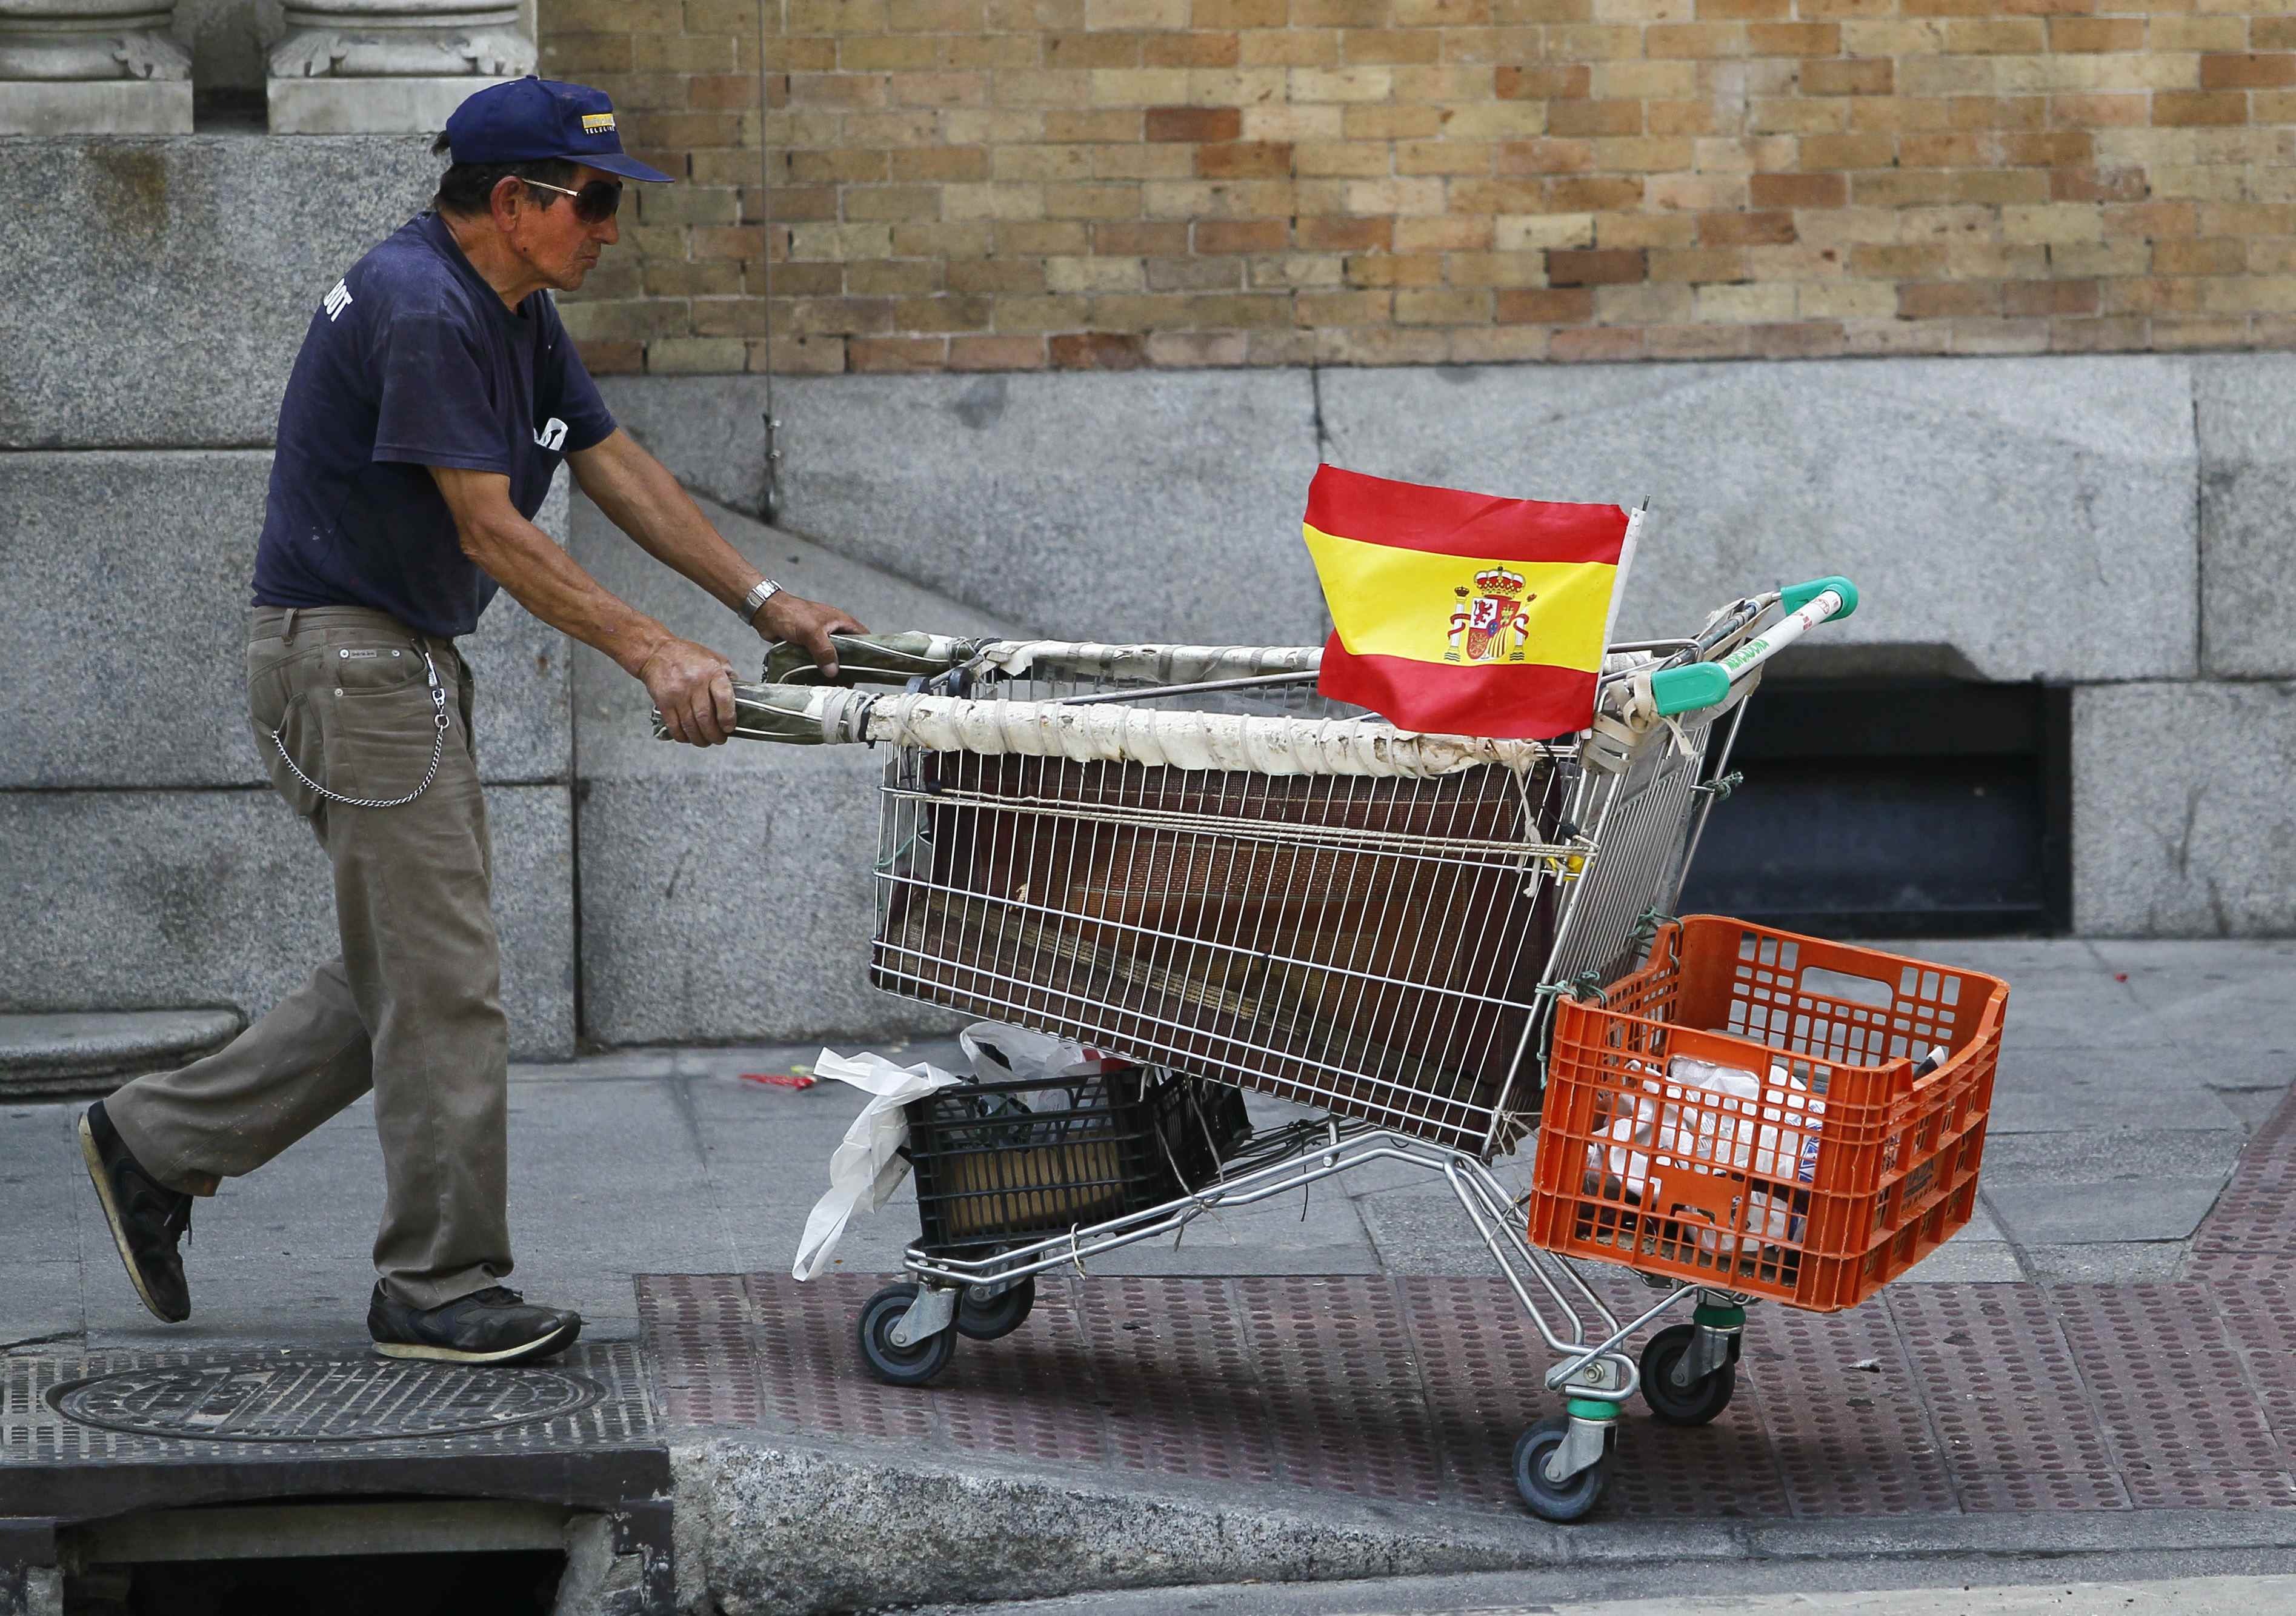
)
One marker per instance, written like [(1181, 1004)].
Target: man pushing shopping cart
[(1419, 881)]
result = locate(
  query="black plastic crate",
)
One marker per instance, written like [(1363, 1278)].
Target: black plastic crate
[(1001, 1163)]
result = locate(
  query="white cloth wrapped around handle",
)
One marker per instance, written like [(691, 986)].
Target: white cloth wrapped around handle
[(868, 1165)]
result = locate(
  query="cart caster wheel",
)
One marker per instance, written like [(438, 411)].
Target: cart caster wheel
[(997, 1316), (1698, 1403), (910, 1365), (1571, 1500)]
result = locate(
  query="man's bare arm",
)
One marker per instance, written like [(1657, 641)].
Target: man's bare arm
[(690, 684), (640, 496)]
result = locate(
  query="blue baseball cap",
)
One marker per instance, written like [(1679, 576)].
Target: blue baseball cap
[(532, 119)]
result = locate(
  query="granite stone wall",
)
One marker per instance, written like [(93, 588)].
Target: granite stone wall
[(2115, 523), (144, 861)]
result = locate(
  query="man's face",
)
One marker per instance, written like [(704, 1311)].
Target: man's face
[(555, 241)]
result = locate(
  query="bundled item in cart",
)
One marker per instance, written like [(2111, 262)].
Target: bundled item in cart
[(1044, 1135), (1853, 1157), (1053, 1135), (1346, 944), (1728, 1123)]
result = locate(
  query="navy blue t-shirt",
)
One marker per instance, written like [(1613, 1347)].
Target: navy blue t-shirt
[(412, 361)]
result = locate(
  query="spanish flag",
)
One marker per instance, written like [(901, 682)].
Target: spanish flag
[(1463, 614)]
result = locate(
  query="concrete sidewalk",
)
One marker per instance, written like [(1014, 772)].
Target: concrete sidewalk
[(2133, 1075)]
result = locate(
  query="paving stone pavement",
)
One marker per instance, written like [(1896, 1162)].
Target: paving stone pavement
[(2115, 1331), (1945, 1398)]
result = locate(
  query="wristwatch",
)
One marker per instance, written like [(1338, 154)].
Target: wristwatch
[(753, 602)]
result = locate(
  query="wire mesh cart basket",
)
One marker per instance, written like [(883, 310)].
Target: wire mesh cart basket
[(1187, 856)]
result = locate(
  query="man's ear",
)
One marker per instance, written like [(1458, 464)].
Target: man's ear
[(502, 202)]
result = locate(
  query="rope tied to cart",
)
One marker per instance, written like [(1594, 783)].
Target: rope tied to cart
[(1585, 986)]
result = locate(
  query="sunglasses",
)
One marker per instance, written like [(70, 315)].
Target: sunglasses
[(594, 204)]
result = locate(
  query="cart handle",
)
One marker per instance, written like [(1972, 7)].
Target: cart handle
[(1700, 684)]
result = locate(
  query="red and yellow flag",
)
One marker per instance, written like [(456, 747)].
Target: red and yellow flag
[(1463, 614)]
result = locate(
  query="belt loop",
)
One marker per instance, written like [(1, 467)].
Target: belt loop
[(290, 636)]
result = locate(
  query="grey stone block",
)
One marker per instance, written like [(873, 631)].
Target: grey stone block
[(782, 1525), (2106, 1262), (726, 890), (2246, 409), (140, 563), (2085, 1156), (725, 907), (525, 673), (2030, 516), (2184, 823), (95, 1053), (126, 106), (162, 287), (2093, 1091), (1158, 505), (41, 1301), (130, 900), (2226, 996), (2112, 1213), (367, 106), (1966, 1262), (616, 728)]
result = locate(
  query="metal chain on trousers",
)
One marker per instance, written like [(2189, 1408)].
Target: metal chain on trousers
[(438, 752)]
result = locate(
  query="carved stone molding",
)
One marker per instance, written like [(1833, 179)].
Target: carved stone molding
[(83, 41), (402, 39)]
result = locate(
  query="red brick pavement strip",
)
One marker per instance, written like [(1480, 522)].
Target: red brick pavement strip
[(1932, 1400)]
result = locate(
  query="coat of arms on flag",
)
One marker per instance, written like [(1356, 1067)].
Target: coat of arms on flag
[(1459, 613)]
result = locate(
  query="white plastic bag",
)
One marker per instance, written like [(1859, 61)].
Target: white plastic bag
[(868, 1164), (1009, 1055), (1727, 1126)]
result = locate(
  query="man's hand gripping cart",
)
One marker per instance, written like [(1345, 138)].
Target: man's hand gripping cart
[(1185, 854)]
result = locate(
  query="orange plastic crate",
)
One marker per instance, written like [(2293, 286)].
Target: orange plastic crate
[(1768, 1195)]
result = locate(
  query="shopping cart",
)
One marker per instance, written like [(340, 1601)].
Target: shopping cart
[(1186, 855)]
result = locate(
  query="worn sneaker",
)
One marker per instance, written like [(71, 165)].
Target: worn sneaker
[(147, 1217), (495, 1326)]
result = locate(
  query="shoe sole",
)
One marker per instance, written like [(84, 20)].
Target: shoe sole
[(557, 1341), (103, 1182)]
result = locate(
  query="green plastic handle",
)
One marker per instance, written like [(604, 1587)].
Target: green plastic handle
[(1689, 688), (1797, 596)]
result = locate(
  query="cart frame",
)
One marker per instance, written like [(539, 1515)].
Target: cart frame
[(1638, 787)]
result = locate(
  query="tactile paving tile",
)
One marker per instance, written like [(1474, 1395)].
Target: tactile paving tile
[(2245, 1235), (2261, 1320), (990, 1400), (1850, 1439), (704, 1351), (811, 1362), (1346, 1405), (1182, 1393), (1485, 1370), (2158, 1362), (2006, 1395), (1979, 1397)]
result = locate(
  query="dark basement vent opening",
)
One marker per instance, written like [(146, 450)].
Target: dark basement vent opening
[(1894, 805)]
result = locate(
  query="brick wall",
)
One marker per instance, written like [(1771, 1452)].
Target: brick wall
[(1003, 184)]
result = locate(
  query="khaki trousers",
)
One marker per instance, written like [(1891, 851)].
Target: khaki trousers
[(412, 1008)]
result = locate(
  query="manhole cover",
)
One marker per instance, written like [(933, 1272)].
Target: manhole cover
[(287, 1401)]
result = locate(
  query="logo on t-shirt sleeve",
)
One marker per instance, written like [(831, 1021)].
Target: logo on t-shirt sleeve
[(551, 434), (337, 300)]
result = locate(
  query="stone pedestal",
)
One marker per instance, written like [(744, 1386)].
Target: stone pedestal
[(92, 67), (379, 67)]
